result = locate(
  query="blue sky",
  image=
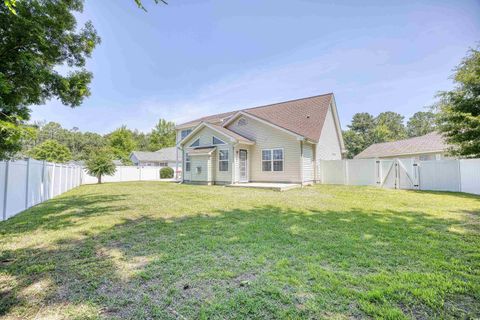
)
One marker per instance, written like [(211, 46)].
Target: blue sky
[(194, 57)]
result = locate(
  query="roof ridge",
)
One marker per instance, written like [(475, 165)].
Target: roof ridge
[(257, 107), (406, 139), (281, 102)]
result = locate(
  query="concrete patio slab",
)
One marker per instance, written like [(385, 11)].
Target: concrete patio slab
[(266, 185)]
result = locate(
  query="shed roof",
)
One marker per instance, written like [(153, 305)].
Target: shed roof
[(431, 142)]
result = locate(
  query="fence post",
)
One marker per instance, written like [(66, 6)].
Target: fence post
[(42, 191), (27, 183), (5, 191), (459, 175), (140, 173), (346, 171)]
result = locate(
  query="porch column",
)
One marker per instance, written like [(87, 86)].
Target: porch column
[(176, 162), (233, 164)]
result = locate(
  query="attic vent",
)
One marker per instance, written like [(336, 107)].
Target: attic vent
[(308, 116), (242, 122)]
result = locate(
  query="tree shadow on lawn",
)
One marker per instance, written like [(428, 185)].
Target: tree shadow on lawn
[(266, 262), (60, 212)]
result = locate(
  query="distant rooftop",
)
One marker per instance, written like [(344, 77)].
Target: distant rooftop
[(429, 143)]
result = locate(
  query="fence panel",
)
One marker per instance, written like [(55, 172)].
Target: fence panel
[(16, 188), (130, 173), (35, 183), (470, 175), (440, 175), (3, 185), (361, 172), (333, 171), (150, 173)]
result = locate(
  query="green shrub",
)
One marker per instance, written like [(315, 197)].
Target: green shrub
[(166, 173)]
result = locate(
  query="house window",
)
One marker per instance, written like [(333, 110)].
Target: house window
[(223, 160), (196, 143), (198, 170), (185, 133), (272, 160), (163, 164), (216, 141), (242, 122), (187, 162)]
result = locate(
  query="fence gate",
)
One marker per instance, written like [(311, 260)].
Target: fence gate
[(397, 174)]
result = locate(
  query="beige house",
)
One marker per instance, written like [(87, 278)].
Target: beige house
[(281, 142), (431, 146)]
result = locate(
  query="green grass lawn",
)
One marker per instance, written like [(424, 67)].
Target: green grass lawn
[(147, 250)]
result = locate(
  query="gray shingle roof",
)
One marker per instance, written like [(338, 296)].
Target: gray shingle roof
[(431, 142), (165, 154), (304, 117)]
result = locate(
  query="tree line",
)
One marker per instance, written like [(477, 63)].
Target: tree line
[(51, 142)]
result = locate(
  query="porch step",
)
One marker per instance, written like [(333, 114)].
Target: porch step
[(266, 185)]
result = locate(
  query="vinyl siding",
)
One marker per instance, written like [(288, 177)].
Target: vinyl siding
[(308, 162), (213, 175), (205, 163), (267, 137), (206, 135), (328, 147)]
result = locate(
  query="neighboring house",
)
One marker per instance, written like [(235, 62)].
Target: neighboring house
[(117, 162), (281, 142), (431, 146), (166, 157)]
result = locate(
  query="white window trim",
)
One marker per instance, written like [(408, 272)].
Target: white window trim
[(272, 160), (184, 130), (189, 161), (227, 161)]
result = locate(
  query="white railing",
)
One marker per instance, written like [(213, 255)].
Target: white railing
[(405, 173)]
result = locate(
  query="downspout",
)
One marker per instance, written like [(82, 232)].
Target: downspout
[(176, 163), (301, 162)]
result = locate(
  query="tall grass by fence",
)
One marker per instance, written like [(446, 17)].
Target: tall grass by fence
[(438, 175), (25, 183)]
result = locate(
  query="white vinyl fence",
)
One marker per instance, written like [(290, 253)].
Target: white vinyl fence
[(127, 173), (25, 183), (442, 175)]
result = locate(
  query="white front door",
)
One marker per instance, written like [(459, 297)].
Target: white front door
[(243, 165)]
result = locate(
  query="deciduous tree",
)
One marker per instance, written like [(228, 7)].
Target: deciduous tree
[(100, 164), (35, 38), (51, 151), (459, 109)]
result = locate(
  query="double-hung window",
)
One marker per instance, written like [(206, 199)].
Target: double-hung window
[(222, 160), (272, 160), (185, 133), (187, 162)]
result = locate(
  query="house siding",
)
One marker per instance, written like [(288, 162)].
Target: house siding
[(308, 162), (328, 147), (267, 137), (214, 175), (205, 163)]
